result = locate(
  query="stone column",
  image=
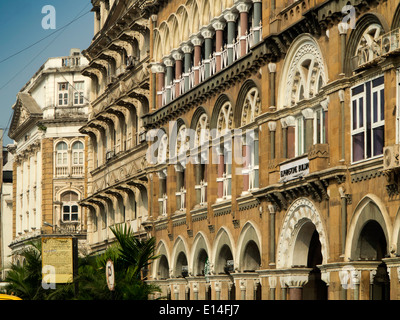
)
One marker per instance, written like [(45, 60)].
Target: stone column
[(217, 288), (290, 143), (295, 283), (272, 287), (230, 18), (169, 64), (342, 27), (187, 50), (325, 104), (197, 41), (272, 211), (160, 83), (154, 69), (284, 138), (178, 57), (243, 8), (283, 288), (219, 33), (355, 279), (208, 46), (195, 291), (272, 73), (308, 115), (343, 228), (242, 285), (272, 130)]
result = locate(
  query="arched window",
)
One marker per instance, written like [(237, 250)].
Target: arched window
[(224, 174), (62, 154), (70, 207), (252, 107), (77, 153), (368, 47)]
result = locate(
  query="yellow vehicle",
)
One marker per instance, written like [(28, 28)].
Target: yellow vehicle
[(8, 297)]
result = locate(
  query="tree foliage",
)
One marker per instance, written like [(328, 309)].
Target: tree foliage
[(131, 257)]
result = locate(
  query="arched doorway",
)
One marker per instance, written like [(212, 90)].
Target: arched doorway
[(372, 246), (315, 288)]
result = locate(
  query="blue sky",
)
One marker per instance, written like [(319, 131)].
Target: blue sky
[(21, 27)]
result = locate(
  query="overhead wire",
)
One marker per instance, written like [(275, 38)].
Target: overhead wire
[(77, 17)]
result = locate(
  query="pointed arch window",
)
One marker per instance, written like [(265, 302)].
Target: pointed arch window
[(224, 150)]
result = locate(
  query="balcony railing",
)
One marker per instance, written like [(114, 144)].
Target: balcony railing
[(209, 66), (66, 171), (71, 61), (386, 44)]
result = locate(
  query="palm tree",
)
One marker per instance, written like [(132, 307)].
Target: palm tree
[(25, 280), (130, 255)]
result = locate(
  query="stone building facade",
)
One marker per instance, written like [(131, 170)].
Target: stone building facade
[(49, 153), (270, 164), (118, 67)]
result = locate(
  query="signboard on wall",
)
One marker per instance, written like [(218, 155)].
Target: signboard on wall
[(294, 169), (57, 256)]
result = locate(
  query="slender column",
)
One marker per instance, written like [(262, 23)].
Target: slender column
[(325, 104), (178, 57), (197, 42), (272, 72), (308, 115), (257, 16), (283, 288), (272, 211), (219, 33), (342, 124), (187, 50), (155, 69), (230, 18), (290, 144), (343, 217), (272, 287), (169, 63), (284, 138), (355, 278), (272, 130), (342, 27), (160, 70), (242, 289), (243, 9), (208, 44)]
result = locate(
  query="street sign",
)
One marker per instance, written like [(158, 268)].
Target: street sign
[(110, 276)]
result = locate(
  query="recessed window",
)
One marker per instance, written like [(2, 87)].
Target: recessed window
[(62, 154), (63, 94), (77, 153), (79, 92), (368, 119), (70, 208)]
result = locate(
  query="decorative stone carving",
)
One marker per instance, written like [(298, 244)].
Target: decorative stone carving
[(301, 211)]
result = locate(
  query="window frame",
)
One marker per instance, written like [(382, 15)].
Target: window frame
[(367, 127), (63, 94)]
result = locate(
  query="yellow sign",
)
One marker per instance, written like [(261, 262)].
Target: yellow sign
[(57, 260)]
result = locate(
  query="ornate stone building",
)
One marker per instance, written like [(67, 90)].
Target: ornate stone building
[(49, 168), (272, 144), (118, 182)]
